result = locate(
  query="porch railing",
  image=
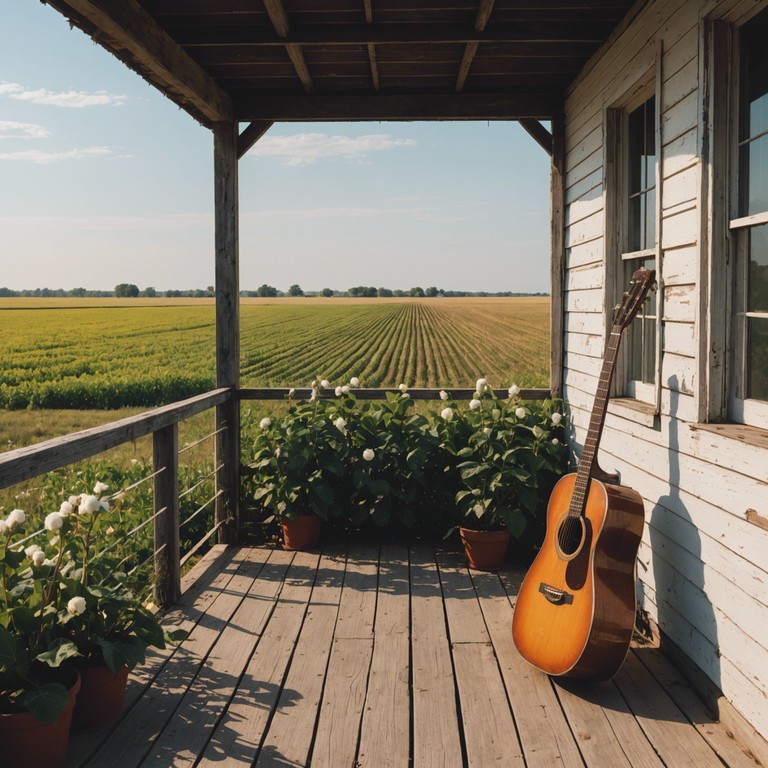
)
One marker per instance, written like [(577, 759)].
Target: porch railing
[(162, 423)]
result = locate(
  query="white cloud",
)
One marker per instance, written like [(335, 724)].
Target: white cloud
[(308, 148), (44, 158), (13, 130), (69, 99)]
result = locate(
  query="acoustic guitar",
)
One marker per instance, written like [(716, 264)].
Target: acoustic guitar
[(575, 611)]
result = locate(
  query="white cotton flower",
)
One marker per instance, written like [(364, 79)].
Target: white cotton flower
[(76, 606), (474, 404), (338, 391), (38, 558), (89, 505), (520, 413), (345, 389), (555, 441), (354, 382), (313, 396), (74, 500), (313, 384), (403, 387), (405, 395), (557, 418), (482, 385), (443, 394), (265, 423), (30, 551), (341, 425), (66, 509), (54, 521), (447, 413), (100, 488), (291, 392), (487, 431), (104, 505), (325, 383), (368, 454), (4, 528), (514, 390), (16, 517)]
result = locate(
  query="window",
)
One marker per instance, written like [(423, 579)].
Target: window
[(635, 235), (749, 358)]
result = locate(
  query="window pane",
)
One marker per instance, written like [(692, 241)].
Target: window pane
[(756, 166), (650, 220), (635, 223), (757, 377), (641, 334), (758, 269), (756, 75), (635, 151)]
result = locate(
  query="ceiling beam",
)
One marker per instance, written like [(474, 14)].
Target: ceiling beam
[(539, 133), (126, 29), (279, 19), (371, 47), (483, 14), (361, 106), (251, 134)]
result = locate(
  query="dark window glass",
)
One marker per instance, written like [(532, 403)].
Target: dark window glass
[(641, 177), (641, 334), (757, 373), (758, 269)]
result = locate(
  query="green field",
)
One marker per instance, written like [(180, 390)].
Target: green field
[(103, 354)]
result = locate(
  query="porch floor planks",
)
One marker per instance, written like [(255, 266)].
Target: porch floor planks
[(384, 657)]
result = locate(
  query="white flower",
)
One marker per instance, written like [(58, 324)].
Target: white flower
[(338, 391), (447, 414), (4, 528), (403, 387), (38, 558), (104, 505), (341, 425), (265, 423), (16, 517), (520, 413), (313, 384), (443, 394), (74, 500), (404, 395), (291, 392), (354, 382), (30, 551), (66, 509), (482, 385), (496, 414), (557, 418), (555, 441), (313, 396), (76, 606), (345, 389), (325, 383), (100, 488), (514, 390), (474, 404), (54, 521), (487, 431), (89, 505), (368, 454)]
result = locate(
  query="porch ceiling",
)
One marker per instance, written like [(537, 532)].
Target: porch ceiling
[(291, 60)]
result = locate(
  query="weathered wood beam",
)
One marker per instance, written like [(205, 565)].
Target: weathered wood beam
[(226, 234), (126, 29), (337, 108), (368, 4), (557, 261), (539, 133), (279, 19), (251, 135), (483, 14), (165, 465)]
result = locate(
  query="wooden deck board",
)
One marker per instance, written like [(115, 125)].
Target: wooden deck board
[(385, 657)]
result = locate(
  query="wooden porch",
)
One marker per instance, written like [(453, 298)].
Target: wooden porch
[(385, 656)]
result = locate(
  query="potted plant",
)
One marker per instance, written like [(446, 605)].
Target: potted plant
[(297, 467), (37, 689), (504, 450)]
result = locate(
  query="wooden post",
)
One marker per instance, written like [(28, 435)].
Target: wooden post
[(557, 264), (225, 137), (165, 460)]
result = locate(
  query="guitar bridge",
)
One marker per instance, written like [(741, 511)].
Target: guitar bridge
[(554, 595)]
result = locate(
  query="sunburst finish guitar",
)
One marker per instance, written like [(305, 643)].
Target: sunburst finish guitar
[(576, 607)]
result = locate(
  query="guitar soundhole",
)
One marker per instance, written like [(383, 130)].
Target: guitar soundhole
[(570, 537)]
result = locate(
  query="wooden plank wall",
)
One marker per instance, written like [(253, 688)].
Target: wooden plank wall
[(703, 563)]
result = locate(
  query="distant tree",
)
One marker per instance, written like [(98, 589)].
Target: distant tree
[(266, 291), (149, 292), (295, 290), (417, 292), (384, 293), (431, 291), (126, 291), (210, 290), (78, 292), (199, 293), (327, 292), (399, 293)]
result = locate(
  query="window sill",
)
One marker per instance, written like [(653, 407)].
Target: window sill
[(743, 433), (634, 410)]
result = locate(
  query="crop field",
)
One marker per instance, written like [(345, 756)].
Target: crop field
[(103, 354)]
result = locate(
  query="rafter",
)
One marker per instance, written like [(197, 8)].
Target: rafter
[(124, 27), (371, 47), (279, 19), (251, 134), (483, 14), (538, 132)]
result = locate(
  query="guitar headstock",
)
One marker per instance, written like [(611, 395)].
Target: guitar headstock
[(643, 280)]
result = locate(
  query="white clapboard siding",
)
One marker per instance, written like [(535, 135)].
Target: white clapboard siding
[(681, 265), (680, 303), (680, 338), (585, 253), (680, 153)]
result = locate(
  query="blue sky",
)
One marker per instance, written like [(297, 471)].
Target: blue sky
[(103, 181)]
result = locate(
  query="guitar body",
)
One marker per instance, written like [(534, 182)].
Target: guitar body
[(575, 611)]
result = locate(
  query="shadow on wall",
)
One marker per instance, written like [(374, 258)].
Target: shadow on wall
[(684, 612)]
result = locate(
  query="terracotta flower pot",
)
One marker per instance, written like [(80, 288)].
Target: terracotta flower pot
[(100, 700), (27, 741), (485, 549), (302, 532)]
